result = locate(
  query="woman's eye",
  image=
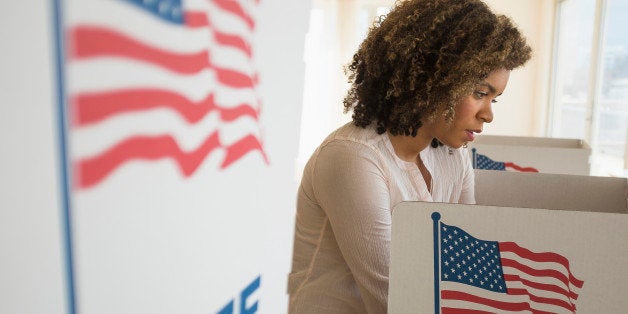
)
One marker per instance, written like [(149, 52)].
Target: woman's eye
[(494, 100), (480, 95)]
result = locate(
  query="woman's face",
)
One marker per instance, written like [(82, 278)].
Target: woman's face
[(471, 112)]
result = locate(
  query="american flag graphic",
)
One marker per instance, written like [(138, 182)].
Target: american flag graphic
[(151, 80), (483, 162), (479, 276)]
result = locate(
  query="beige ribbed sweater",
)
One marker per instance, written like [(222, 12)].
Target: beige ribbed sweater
[(342, 232)]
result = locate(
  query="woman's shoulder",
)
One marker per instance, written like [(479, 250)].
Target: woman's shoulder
[(354, 135)]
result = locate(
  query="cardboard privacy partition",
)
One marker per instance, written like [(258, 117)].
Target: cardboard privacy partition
[(550, 191), (531, 154), (488, 259)]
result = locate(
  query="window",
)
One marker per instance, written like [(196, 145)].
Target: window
[(336, 29), (590, 87)]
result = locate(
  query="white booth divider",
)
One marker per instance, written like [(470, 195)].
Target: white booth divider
[(553, 243), (150, 149), (531, 154)]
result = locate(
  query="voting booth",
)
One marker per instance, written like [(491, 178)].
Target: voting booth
[(561, 247), (530, 154)]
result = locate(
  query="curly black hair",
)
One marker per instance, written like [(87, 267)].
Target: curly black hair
[(425, 56)]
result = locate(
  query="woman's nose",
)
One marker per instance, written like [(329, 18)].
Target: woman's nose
[(486, 114)]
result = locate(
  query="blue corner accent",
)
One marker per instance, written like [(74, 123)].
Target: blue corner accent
[(246, 293), (228, 309), (63, 158), (436, 218)]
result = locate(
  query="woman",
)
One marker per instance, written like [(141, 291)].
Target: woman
[(423, 82)]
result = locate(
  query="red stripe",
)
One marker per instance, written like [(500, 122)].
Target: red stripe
[(196, 19), (90, 42), (538, 299), (199, 19), (451, 310), (234, 41), (242, 147), (235, 8), (94, 107), (542, 286), (235, 79), (519, 168), (541, 257), (536, 272), (506, 306), (92, 171)]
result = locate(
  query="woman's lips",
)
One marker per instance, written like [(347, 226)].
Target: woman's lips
[(471, 134)]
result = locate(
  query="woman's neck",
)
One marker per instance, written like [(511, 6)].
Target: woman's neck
[(408, 148)]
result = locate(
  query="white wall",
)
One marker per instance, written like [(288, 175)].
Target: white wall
[(522, 109)]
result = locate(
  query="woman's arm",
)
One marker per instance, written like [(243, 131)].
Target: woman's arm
[(350, 185)]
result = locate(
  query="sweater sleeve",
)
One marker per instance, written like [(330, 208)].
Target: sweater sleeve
[(351, 186)]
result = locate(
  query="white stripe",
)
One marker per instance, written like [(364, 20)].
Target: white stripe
[(539, 279), (128, 19), (499, 297), (542, 280), (536, 265), (540, 293), (475, 306), (93, 140), (229, 22), (112, 74)]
